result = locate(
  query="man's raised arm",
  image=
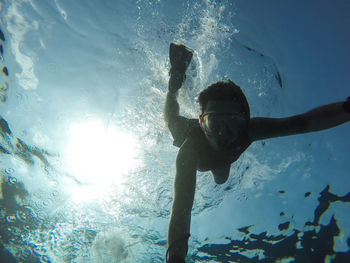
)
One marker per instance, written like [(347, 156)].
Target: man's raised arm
[(320, 118), (180, 56)]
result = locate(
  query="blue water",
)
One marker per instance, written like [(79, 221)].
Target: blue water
[(87, 164)]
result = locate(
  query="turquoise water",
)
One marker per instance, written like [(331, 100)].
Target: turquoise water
[(87, 164)]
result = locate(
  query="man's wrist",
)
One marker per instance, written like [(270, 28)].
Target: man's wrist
[(176, 259), (176, 81), (346, 105)]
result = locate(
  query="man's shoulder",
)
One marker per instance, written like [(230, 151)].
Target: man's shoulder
[(186, 124), (182, 128), (181, 120)]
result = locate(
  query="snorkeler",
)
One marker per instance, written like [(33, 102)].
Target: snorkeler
[(219, 136)]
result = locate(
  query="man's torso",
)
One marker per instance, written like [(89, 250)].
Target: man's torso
[(189, 129)]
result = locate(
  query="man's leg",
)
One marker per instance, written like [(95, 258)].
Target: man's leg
[(221, 174)]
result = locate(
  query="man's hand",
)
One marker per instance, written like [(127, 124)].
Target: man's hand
[(180, 57)]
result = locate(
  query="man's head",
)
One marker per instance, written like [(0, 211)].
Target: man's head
[(225, 91), (225, 113)]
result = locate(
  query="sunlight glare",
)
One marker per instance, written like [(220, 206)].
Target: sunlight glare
[(99, 155)]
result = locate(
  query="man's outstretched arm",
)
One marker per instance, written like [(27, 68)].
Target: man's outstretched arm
[(184, 189), (320, 118)]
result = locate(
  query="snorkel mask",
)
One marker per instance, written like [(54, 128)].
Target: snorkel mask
[(213, 123)]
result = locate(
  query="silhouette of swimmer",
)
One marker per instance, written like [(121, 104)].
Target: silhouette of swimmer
[(219, 136)]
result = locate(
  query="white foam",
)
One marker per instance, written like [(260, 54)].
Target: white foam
[(18, 27), (109, 247)]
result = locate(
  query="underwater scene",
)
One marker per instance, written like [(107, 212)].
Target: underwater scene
[(87, 163)]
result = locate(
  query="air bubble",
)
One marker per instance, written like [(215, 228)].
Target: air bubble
[(64, 15), (41, 215), (13, 241), (21, 216), (10, 219), (12, 180), (242, 197), (3, 88), (47, 202), (26, 252), (19, 96), (37, 250), (3, 97), (28, 211), (55, 193), (45, 259), (9, 171), (13, 230), (5, 71)]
